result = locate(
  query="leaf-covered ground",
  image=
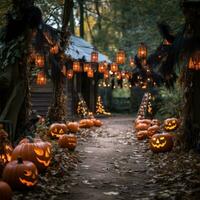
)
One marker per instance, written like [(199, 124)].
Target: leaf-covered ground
[(110, 163)]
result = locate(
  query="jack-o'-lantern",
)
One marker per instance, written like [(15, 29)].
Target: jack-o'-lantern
[(5, 191), (152, 130), (161, 142), (73, 127), (20, 174), (141, 135), (56, 130), (68, 141), (171, 124), (5, 146), (36, 151)]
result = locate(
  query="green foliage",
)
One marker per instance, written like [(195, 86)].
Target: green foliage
[(121, 93), (169, 102)]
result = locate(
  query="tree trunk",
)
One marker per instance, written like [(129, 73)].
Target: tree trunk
[(81, 2)]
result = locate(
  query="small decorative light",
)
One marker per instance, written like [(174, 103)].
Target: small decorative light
[(194, 61), (127, 75), (106, 75), (90, 73), (114, 67), (123, 74), (41, 78), (70, 74), (54, 49), (119, 76), (101, 68), (86, 67), (131, 62), (76, 66), (120, 57), (142, 51), (94, 56), (39, 60)]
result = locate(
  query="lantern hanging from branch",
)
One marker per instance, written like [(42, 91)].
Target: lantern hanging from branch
[(101, 68), (70, 74), (86, 67), (39, 60), (131, 62), (114, 67), (94, 56), (119, 76), (41, 78), (194, 61), (76, 66), (54, 49), (90, 73), (142, 51), (106, 75), (120, 57)]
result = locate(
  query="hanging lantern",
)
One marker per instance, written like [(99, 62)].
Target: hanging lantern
[(119, 76), (41, 79), (90, 73), (54, 49), (120, 58), (123, 74), (101, 68), (114, 67), (76, 66), (106, 75), (70, 74), (131, 62), (39, 60), (142, 51), (194, 61), (94, 56), (86, 67)]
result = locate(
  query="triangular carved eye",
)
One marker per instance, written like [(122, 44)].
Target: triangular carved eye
[(61, 131), (38, 151), (48, 150), (27, 172), (46, 154), (55, 130)]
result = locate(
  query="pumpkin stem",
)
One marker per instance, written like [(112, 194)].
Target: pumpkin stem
[(19, 160), (30, 139)]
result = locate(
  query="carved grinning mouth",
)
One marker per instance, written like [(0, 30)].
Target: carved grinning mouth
[(159, 145), (27, 183), (45, 163)]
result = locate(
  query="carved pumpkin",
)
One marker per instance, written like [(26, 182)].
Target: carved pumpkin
[(171, 124), (5, 191), (86, 123), (73, 127), (68, 141), (20, 174), (152, 130), (161, 142), (141, 135), (56, 130), (36, 151)]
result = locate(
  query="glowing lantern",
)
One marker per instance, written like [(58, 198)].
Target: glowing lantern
[(41, 78), (70, 74), (123, 74), (131, 62), (39, 60), (76, 66), (101, 68), (120, 58), (86, 67), (106, 75), (94, 56), (114, 67), (142, 51), (119, 76), (90, 73), (54, 49), (194, 62)]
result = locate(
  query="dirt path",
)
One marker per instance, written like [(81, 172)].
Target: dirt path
[(113, 165)]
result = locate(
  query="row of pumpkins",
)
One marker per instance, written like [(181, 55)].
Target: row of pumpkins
[(159, 135), (32, 156)]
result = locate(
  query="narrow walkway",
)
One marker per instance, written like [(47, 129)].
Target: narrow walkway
[(113, 165)]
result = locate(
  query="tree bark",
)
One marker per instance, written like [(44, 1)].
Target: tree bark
[(81, 7)]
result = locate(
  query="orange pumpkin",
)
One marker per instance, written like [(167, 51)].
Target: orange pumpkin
[(142, 126), (97, 122), (155, 122), (20, 174), (73, 127), (171, 124), (68, 141), (56, 130), (36, 151), (5, 191), (152, 130), (86, 123), (141, 135)]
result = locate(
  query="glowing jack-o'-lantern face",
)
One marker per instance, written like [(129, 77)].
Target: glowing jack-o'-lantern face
[(161, 142), (171, 124), (5, 156), (20, 174), (38, 152), (56, 130)]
